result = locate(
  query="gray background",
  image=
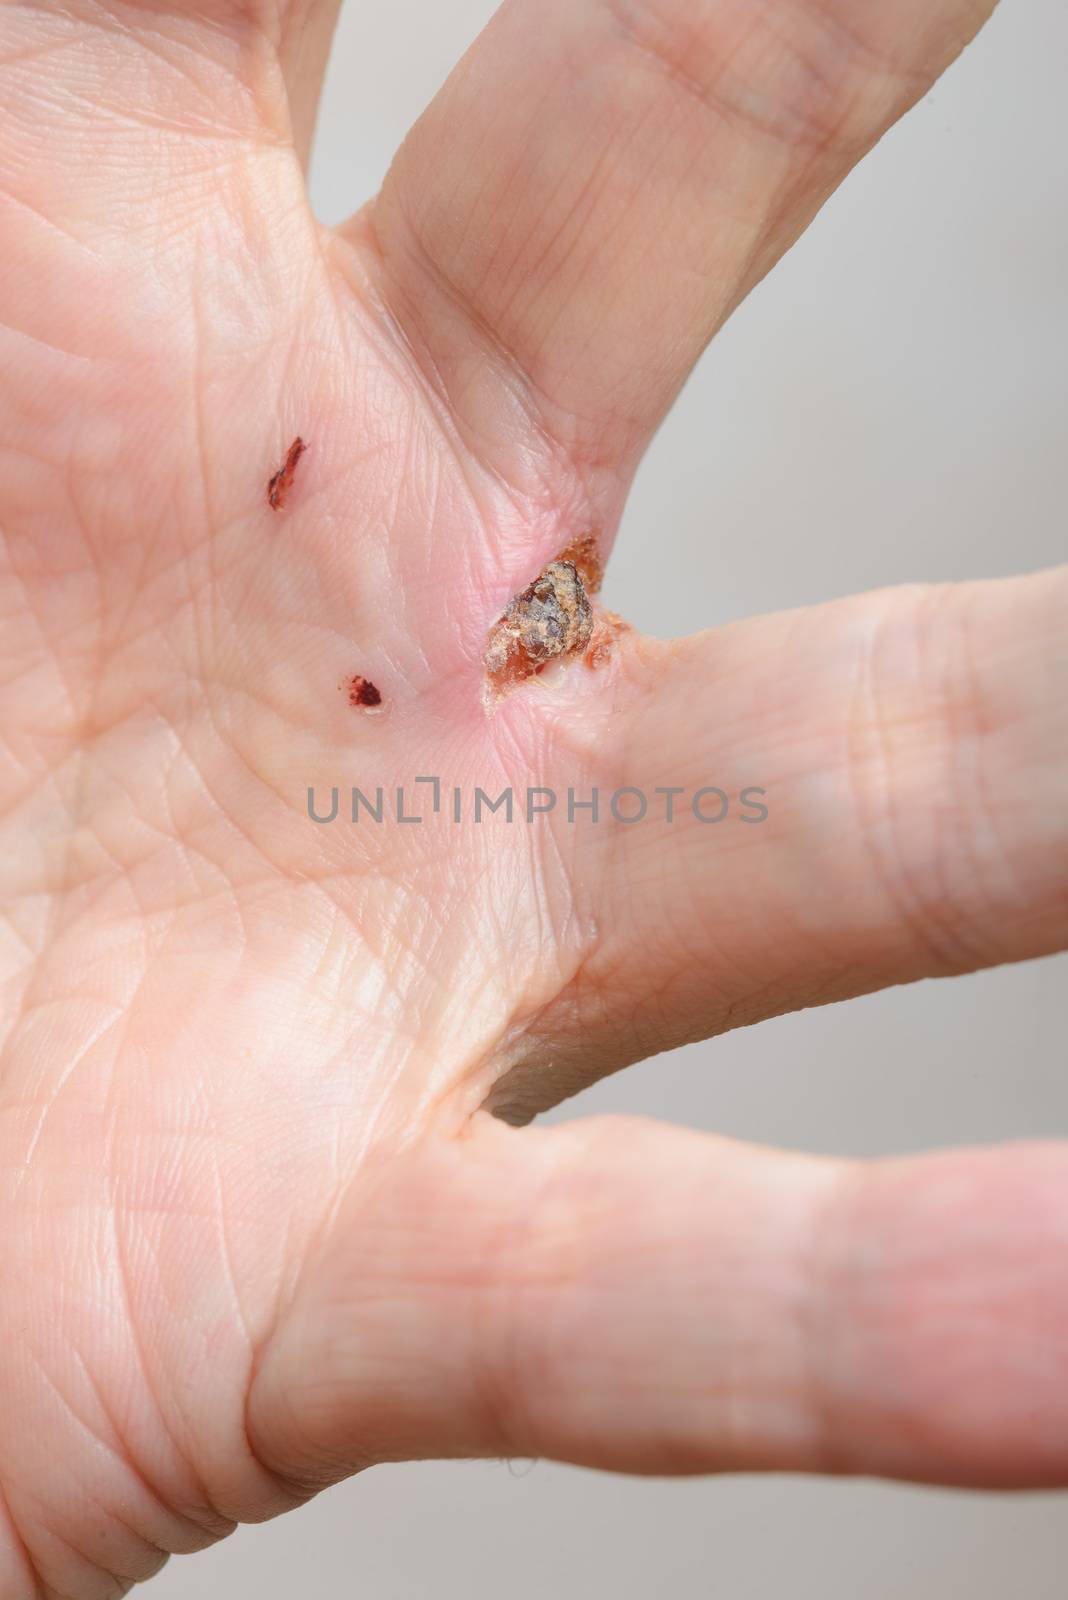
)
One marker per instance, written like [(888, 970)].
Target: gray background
[(889, 405)]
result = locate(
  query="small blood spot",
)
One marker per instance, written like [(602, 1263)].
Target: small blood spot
[(282, 481), (362, 692)]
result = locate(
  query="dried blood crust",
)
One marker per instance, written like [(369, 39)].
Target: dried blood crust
[(282, 481), (363, 693), (552, 619), (546, 621), (586, 559), (608, 627)]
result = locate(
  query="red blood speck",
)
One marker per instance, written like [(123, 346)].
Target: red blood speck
[(362, 692), (282, 481)]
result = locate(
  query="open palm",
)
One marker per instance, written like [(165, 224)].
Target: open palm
[(259, 1228)]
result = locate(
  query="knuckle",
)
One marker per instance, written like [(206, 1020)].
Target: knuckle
[(919, 778), (800, 74)]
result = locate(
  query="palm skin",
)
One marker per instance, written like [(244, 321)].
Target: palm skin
[(241, 1011), (258, 1231)]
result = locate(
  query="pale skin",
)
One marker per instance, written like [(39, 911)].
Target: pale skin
[(259, 1227)]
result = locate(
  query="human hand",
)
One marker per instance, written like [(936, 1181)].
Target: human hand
[(258, 1231)]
